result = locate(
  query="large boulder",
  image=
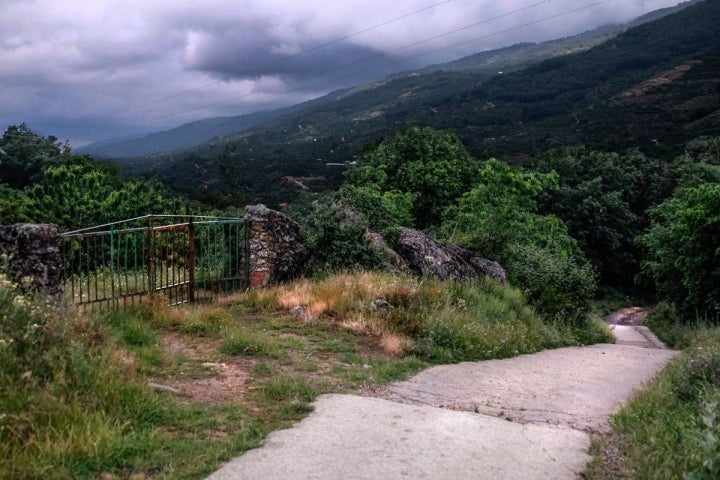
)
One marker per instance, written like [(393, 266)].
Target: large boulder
[(425, 257), (482, 266), (275, 245)]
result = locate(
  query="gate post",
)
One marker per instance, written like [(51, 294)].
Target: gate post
[(191, 260), (150, 256)]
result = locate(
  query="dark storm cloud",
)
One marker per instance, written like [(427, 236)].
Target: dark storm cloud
[(87, 70)]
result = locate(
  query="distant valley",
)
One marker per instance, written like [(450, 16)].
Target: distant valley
[(652, 85)]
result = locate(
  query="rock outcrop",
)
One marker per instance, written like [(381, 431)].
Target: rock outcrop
[(425, 257), (275, 244)]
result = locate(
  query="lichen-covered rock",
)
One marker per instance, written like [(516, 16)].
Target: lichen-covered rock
[(425, 257), (395, 261), (30, 256), (482, 266), (275, 244)]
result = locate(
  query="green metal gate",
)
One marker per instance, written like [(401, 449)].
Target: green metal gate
[(180, 259)]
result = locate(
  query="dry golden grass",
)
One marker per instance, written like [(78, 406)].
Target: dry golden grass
[(346, 299), (393, 344)]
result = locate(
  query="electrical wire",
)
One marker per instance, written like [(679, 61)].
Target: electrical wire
[(387, 64), (343, 66), (283, 59)]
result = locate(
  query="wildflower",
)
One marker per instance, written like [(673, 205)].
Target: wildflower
[(20, 300)]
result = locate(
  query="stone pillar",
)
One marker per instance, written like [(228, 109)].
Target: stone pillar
[(275, 244), (30, 256)]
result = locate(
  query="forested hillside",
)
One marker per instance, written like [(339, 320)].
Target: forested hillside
[(43, 181), (654, 86)]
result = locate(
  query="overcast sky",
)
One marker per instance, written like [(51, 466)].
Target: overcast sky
[(87, 70)]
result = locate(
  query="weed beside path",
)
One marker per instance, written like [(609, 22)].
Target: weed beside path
[(670, 430), (159, 392)]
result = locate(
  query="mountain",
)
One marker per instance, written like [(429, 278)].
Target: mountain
[(184, 136), (654, 86), (490, 62), (189, 134), (516, 57)]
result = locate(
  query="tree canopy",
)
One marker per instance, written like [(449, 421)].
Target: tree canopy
[(42, 181), (432, 166)]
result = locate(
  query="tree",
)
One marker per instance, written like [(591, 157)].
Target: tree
[(602, 197), (76, 196), (498, 219), (499, 210), (682, 250), (336, 237), (432, 166), (24, 155)]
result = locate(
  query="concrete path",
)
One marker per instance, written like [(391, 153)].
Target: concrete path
[(519, 418)]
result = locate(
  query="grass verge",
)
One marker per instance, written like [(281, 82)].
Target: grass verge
[(75, 393), (670, 430)]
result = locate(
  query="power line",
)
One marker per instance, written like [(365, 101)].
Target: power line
[(405, 59), (281, 60), (368, 58)]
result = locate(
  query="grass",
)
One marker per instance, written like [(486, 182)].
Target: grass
[(671, 429), (75, 400)]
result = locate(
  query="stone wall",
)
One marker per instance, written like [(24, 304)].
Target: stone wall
[(275, 244), (30, 256)]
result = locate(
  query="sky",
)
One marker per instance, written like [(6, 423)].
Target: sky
[(89, 70)]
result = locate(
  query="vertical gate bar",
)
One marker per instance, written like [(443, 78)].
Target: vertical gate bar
[(112, 263), (125, 272), (95, 277), (69, 265), (169, 271), (150, 253), (85, 261), (135, 262), (238, 255), (219, 255), (191, 260), (246, 248)]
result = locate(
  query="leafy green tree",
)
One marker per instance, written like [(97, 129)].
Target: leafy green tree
[(76, 196), (499, 210), (498, 218), (11, 201), (432, 166), (24, 155), (336, 237), (70, 196), (602, 197), (700, 163), (683, 251), (385, 211)]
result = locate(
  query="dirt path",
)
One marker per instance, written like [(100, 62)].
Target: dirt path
[(519, 418)]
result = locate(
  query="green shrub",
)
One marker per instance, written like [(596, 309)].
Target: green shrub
[(681, 251), (336, 238), (561, 286), (700, 373), (670, 429), (482, 321)]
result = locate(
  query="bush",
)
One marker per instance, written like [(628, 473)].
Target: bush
[(670, 429), (336, 238), (681, 246), (481, 321), (28, 335), (560, 286)]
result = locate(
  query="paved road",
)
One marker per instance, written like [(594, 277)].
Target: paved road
[(519, 418)]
